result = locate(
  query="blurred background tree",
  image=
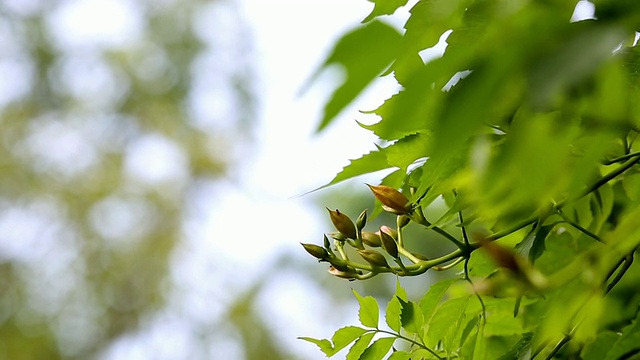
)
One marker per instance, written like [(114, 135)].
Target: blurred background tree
[(116, 116)]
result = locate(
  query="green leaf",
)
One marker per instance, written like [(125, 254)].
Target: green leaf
[(394, 309), (368, 163), (384, 7), (325, 345), (341, 338), (360, 346), (378, 349), (603, 343), (345, 336), (399, 355), (500, 319), (445, 320), (471, 325), (369, 311), (431, 299), (533, 245), (405, 113), (628, 344), (364, 53), (518, 350), (411, 317), (405, 151)]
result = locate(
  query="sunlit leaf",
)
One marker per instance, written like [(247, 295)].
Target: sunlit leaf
[(345, 336), (384, 7), (369, 311), (378, 349), (364, 53), (359, 347)]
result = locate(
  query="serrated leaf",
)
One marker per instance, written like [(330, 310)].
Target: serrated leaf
[(364, 53), (399, 355), (431, 299), (359, 347), (369, 311), (405, 151), (403, 113), (384, 7), (325, 345), (378, 349), (368, 163), (345, 336), (411, 317), (394, 309)]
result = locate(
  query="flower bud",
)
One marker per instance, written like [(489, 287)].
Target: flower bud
[(342, 223), (388, 242), (370, 238), (392, 200), (316, 251), (336, 235), (390, 231), (361, 221), (374, 258), (341, 274)]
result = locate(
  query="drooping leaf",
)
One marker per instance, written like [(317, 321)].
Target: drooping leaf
[(369, 311), (384, 7), (364, 53), (378, 349), (325, 345)]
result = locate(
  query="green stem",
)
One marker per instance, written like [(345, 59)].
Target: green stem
[(399, 336), (422, 220), (580, 228), (621, 158)]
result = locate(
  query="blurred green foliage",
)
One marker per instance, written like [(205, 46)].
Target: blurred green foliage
[(113, 116)]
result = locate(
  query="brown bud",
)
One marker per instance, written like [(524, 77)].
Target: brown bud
[(370, 238), (316, 251), (502, 256), (392, 200), (374, 258), (342, 223), (388, 242)]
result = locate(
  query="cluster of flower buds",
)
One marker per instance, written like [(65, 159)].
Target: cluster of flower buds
[(364, 242)]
